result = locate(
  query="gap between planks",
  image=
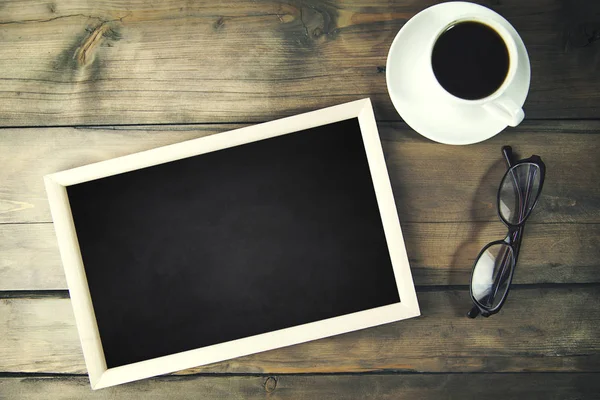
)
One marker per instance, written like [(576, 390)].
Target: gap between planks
[(64, 294), (191, 125)]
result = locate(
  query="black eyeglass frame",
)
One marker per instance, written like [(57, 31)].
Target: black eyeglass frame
[(513, 237)]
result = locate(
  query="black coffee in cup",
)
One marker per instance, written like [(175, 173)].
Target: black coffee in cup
[(470, 60)]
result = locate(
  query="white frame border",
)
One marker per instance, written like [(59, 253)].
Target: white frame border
[(100, 375)]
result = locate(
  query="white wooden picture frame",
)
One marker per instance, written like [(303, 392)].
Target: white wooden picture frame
[(101, 376)]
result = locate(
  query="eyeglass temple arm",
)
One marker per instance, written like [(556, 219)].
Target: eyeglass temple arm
[(514, 238), (507, 153), (499, 277), (527, 191), (475, 311), (517, 235)]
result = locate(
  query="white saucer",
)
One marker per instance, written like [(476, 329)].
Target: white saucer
[(443, 122)]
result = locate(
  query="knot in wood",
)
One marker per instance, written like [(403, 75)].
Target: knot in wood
[(270, 384)]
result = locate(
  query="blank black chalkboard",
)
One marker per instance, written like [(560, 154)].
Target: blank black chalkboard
[(233, 243)]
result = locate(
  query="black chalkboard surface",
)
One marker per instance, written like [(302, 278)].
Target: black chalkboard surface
[(234, 243)]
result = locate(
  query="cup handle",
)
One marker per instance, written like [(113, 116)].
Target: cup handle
[(505, 109)]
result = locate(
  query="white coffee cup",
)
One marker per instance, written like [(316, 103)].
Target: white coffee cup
[(499, 104), (422, 101)]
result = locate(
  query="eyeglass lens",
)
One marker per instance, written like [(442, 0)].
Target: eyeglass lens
[(491, 275), (518, 192)]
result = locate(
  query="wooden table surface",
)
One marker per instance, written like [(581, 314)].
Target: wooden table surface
[(84, 81)]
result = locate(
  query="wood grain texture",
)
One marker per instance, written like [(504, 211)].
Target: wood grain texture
[(431, 182), (397, 387), (30, 258), (439, 253), (68, 62), (121, 62), (38, 335)]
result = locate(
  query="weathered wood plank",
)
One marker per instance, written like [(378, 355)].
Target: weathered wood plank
[(444, 253), (431, 182), (30, 258), (397, 387), (538, 330), (440, 253), (122, 62)]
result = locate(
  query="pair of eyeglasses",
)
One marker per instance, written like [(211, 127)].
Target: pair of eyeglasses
[(494, 267)]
